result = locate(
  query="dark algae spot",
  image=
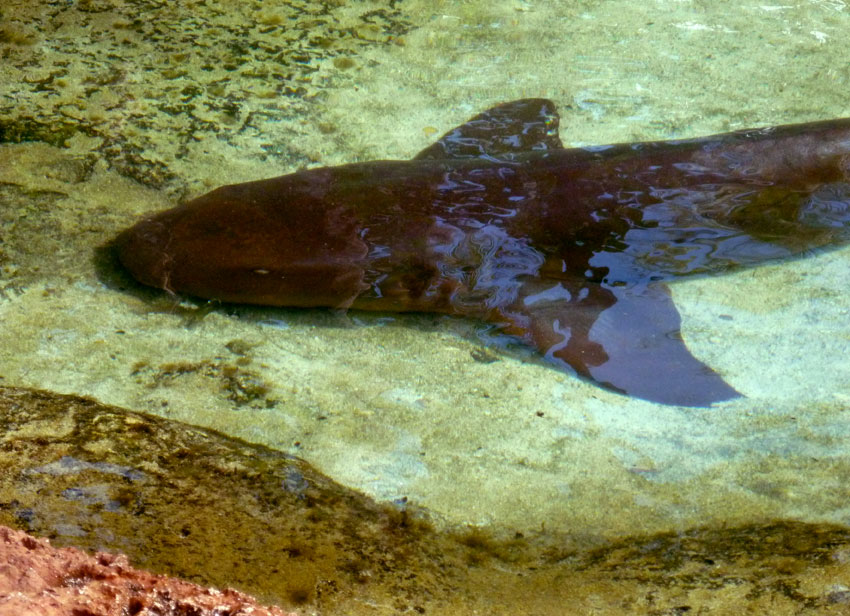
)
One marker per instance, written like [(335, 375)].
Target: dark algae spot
[(237, 382)]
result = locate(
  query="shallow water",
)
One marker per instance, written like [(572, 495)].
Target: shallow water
[(107, 117)]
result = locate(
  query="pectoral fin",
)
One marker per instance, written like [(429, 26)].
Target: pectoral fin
[(625, 339)]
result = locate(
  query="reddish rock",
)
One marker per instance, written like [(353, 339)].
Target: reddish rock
[(37, 579)]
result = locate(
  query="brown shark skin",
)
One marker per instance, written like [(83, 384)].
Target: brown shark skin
[(568, 249)]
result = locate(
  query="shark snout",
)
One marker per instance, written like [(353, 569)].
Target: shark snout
[(143, 250)]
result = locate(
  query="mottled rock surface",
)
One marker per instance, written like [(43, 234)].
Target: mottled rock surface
[(145, 81), (37, 579)]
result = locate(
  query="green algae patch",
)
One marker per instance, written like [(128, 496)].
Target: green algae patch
[(218, 511)]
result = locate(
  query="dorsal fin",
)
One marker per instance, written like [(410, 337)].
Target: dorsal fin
[(501, 132)]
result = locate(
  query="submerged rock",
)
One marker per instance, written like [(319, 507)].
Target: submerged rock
[(38, 579), (198, 505)]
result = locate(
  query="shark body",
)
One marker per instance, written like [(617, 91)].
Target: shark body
[(567, 249)]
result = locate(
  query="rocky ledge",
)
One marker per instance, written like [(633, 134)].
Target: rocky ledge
[(38, 579)]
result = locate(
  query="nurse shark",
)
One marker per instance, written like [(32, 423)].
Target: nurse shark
[(569, 250)]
